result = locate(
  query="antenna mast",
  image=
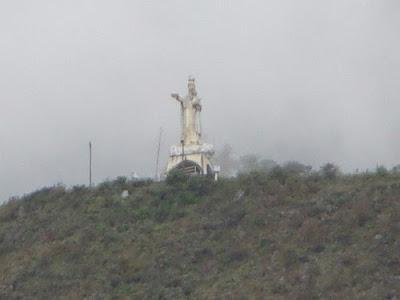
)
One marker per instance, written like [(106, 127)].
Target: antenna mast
[(157, 175), (90, 164)]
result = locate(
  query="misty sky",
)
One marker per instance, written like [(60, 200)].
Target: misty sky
[(310, 80)]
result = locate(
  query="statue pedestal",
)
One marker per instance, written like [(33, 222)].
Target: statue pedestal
[(192, 159)]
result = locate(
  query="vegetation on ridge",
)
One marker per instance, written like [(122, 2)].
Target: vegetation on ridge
[(276, 235)]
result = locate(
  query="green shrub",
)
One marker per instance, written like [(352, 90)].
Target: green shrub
[(330, 171), (177, 178), (200, 185), (381, 171)]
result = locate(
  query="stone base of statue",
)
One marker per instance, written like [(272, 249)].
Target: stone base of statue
[(192, 159)]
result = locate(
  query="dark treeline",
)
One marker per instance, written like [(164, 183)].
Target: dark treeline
[(233, 166)]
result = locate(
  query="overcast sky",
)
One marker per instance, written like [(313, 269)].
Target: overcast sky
[(311, 80)]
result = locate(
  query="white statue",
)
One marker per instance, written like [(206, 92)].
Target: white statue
[(190, 115), (192, 156)]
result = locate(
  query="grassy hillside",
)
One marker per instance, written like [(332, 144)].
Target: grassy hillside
[(253, 237)]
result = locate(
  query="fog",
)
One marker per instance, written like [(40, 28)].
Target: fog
[(312, 81)]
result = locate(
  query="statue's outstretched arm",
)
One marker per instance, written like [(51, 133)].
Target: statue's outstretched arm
[(177, 97)]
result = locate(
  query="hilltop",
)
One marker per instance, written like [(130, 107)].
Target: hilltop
[(257, 236)]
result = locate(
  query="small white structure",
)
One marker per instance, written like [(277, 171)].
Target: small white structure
[(192, 156)]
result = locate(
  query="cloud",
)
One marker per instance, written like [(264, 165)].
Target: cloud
[(291, 80)]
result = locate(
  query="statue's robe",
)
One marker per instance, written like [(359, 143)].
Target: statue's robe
[(190, 120)]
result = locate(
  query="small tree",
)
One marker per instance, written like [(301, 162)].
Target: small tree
[(253, 163), (330, 171), (396, 169), (381, 171), (296, 168)]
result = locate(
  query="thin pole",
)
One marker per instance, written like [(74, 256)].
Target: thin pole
[(157, 176), (183, 149), (90, 164)]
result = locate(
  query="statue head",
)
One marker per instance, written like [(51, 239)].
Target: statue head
[(192, 87)]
